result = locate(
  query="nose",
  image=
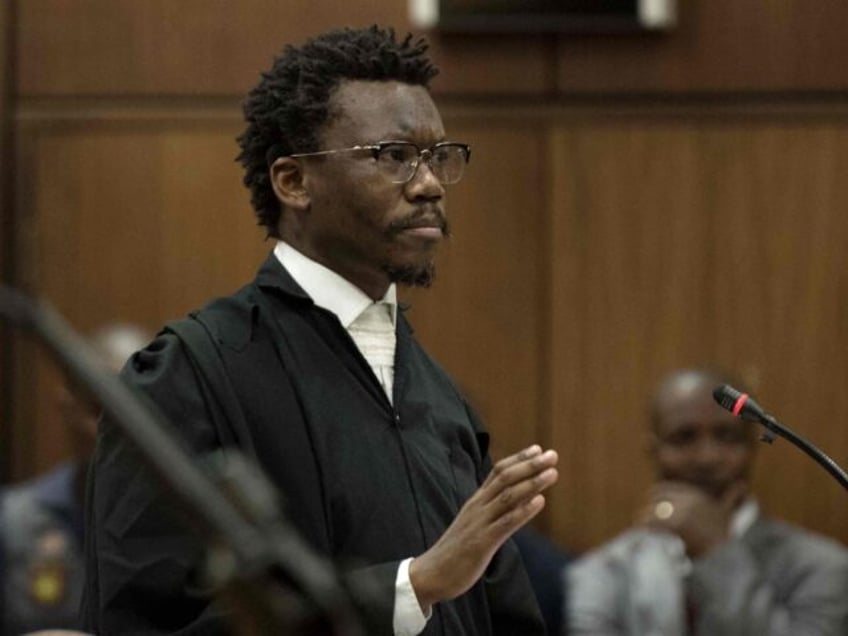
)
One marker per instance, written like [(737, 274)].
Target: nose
[(424, 182)]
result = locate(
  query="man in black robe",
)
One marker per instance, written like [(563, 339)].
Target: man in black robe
[(312, 370)]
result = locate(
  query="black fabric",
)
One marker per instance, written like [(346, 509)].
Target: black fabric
[(367, 484)]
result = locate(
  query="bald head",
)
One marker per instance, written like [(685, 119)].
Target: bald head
[(112, 344), (115, 343), (685, 385)]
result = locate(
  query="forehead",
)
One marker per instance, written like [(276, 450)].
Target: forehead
[(368, 111), (688, 401)]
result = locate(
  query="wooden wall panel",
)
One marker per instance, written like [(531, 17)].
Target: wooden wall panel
[(687, 243), (594, 248), (131, 223), (517, 66), (161, 47), (482, 317), (198, 47), (586, 261), (718, 45)]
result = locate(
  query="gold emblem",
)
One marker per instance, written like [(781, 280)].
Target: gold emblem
[(48, 573)]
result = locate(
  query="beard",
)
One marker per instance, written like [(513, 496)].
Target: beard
[(412, 275)]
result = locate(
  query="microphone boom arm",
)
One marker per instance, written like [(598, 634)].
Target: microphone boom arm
[(742, 406), (776, 428)]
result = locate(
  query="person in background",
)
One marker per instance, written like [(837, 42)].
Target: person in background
[(703, 558), (41, 521), (313, 371)]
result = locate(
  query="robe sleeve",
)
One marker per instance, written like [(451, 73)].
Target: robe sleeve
[(142, 559), (142, 563)]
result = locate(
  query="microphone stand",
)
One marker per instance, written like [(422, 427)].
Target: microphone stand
[(773, 427), (256, 557)]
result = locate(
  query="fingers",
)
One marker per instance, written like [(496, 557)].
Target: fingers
[(730, 498), (520, 515), (697, 517), (515, 482), (670, 503), (512, 460), (520, 465)]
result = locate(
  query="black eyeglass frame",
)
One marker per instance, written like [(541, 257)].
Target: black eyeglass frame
[(376, 149)]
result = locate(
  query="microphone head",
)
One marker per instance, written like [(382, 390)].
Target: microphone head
[(738, 403), (726, 396)]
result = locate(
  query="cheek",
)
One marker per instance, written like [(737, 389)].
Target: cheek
[(350, 210), (374, 213), (367, 194), (739, 460)]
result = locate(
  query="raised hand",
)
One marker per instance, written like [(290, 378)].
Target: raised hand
[(510, 496)]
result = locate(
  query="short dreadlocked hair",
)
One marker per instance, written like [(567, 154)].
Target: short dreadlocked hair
[(286, 110)]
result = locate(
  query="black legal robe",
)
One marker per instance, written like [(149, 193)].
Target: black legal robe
[(363, 481)]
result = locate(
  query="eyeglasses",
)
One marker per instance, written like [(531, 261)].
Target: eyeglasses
[(399, 160)]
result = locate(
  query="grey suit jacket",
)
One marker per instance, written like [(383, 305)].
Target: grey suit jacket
[(775, 580)]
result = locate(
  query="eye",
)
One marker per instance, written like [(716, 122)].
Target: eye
[(398, 153), (679, 438), (442, 154)]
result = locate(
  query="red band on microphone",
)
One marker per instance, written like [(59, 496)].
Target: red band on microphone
[(737, 408)]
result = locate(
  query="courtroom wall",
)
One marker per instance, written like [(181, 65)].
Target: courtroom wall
[(635, 203)]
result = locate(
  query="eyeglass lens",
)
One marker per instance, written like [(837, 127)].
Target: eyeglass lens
[(400, 161)]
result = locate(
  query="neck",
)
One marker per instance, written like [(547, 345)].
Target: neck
[(373, 283)]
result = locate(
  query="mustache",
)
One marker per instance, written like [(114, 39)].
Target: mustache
[(427, 218)]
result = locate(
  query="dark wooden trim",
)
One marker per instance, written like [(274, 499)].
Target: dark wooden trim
[(42, 113)]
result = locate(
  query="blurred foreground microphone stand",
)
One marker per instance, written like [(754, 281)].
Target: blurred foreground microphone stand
[(256, 560)]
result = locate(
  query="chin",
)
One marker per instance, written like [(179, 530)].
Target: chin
[(412, 275), (716, 491), (711, 488)]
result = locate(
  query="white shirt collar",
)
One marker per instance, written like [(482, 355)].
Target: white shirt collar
[(329, 290), (744, 517)]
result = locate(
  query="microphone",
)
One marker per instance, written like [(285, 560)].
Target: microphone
[(738, 403), (742, 406)]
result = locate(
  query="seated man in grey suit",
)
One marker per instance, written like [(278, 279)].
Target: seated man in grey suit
[(702, 559)]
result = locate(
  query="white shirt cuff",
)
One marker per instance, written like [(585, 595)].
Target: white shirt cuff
[(408, 620)]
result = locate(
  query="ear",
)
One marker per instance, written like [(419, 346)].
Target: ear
[(288, 181)]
